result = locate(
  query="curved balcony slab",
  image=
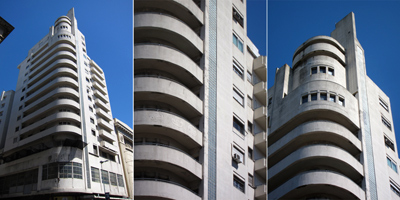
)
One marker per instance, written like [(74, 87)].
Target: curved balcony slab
[(57, 129), (60, 63), (167, 28), (292, 112), (318, 182), (170, 125), (312, 131), (170, 92), (60, 72), (57, 91), (52, 118), (63, 53), (158, 189), (57, 82), (174, 62), (319, 49), (311, 157), (171, 157)]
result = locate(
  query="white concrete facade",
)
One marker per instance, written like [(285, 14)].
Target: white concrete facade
[(60, 141), (200, 97), (330, 130)]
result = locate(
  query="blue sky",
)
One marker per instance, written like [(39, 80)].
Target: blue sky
[(106, 25), (290, 23)]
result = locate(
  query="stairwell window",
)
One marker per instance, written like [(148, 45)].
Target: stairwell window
[(386, 123), (238, 183), (238, 42), (391, 164)]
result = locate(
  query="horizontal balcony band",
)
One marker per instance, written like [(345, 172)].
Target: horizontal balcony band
[(57, 73), (260, 116), (107, 135), (103, 114), (99, 74), (169, 124), (59, 63), (260, 192), (105, 124), (52, 118), (94, 64), (260, 167), (100, 96), (55, 130), (260, 141), (57, 82), (168, 154), (100, 88), (163, 189), (61, 54), (260, 67), (102, 105), (108, 146), (98, 80), (318, 182), (260, 92)]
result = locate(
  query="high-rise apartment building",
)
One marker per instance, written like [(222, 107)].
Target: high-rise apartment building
[(5, 29), (330, 127), (60, 142), (200, 98)]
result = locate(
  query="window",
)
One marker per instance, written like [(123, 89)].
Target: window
[(383, 104), (3, 104), (18, 118), (238, 125), (395, 188), (386, 123), (237, 154), (314, 96), (90, 98), (65, 170), (20, 107), (341, 101), (104, 177), (249, 127), (389, 143), (238, 183), (95, 175), (249, 77), (77, 170), (113, 179), (249, 102), (269, 101), (95, 151), (90, 108), (237, 42), (87, 80), (332, 97), (92, 120), (304, 98), (322, 69), (314, 70), (323, 96), (23, 89), (238, 96), (120, 180), (251, 181), (22, 98), (250, 153), (238, 69), (16, 128), (391, 164), (331, 71), (93, 132), (237, 17)]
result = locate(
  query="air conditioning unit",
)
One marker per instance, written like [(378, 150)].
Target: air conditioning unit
[(236, 157)]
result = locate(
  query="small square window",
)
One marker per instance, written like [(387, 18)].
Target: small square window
[(304, 99), (23, 89), (90, 98), (92, 120), (332, 97), (250, 153), (18, 118), (95, 151), (331, 71), (314, 97), (314, 70), (323, 96), (16, 128), (3, 104), (93, 132), (249, 127), (90, 108), (341, 101), (322, 69), (20, 107)]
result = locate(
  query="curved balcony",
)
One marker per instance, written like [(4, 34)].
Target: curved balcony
[(70, 116), (104, 124), (260, 141), (169, 92), (162, 189), (318, 182), (60, 63), (319, 45), (170, 60), (164, 28), (102, 105), (64, 51), (260, 92), (55, 130), (168, 124), (186, 11), (100, 96), (170, 159), (60, 72), (56, 92), (57, 82), (260, 116), (295, 112), (314, 131), (315, 156)]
